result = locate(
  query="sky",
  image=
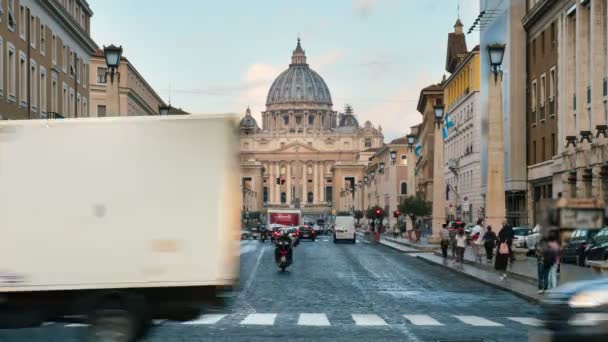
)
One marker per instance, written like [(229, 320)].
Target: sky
[(220, 56)]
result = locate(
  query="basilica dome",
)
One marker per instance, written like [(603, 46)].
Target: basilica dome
[(299, 84)]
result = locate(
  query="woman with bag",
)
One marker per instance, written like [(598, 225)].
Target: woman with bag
[(502, 258), (461, 244)]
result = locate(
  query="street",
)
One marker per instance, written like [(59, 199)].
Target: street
[(341, 292)]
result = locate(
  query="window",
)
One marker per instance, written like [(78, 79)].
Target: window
[(64, 100), (404, 160), (553, 34), (83, 21), (85, 73), (283, 197), (85, 108), (11, 71), (543, 149), (22, 79), (298, 120), (77, 110), (33, 36), (12, 19), (286, 120), (42, 91), (368, 142), (542, 43), (23, 22), (533, 104), (72, 70), (552, 84), (533, 152), (71, 103), (552, 144), (64, 58), (309, 197), (42, 40), (265, 194), (311, 120), (533, 51), (78, 70), (403, 188), (54, 49), (54, 94), (101, 110), (34, 85), (542, 96), (1, 64)]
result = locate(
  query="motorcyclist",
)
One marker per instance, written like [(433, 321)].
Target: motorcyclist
[(283, 238)]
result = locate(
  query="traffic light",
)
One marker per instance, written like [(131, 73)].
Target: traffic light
[(396, 213)]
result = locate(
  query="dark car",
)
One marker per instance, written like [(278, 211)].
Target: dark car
[(575, 312), (308, 232), (598, 248), (574, 251)]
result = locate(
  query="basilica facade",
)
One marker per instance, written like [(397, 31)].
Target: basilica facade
[(305, 153)]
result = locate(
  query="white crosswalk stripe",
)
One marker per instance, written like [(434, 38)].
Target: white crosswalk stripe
[(206, 319), (421, 320), (368, 320), (477, 321), (259, 319), (76, 325), (314, 319), (526, 320)]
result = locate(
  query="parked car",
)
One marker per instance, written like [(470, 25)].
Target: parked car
[(575, 312), (574, 251), (598, 248), (532, 239), (308, 232), (294, 233), (245, 234), (519, 236)]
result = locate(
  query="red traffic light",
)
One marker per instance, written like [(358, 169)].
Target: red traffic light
[(377, 211)]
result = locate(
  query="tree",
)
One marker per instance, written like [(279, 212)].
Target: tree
[(358, 215), (415, 206)]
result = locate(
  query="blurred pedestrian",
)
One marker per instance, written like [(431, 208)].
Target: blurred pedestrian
[(477, 240), (453, 232), (551, 259), (502, 258), (543, 265), (445, 240), (461, 244), (489, 242), (506, 234)]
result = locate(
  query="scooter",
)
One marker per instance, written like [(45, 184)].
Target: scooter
[(263, 235), (283, 252)]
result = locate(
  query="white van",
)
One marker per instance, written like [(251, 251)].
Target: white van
[(344, 228)]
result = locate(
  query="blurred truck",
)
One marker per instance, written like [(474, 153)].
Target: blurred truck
[(118, 220), (285, 217)]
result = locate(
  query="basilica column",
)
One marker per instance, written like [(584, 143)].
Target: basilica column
[(288, 183), (277, 188), (321, 182), (271, 183), (304, 196), (315, 180)]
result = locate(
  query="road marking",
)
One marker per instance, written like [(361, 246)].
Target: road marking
[(247, 249), (477, 321), (316, 319), (76, 325), (368, 320), (206, 319), (259, 319), (526, 320), (421, 320)]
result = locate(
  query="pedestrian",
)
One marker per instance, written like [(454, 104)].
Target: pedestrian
[(551, 257), (477, 240), (543, 265), (445, 240), (453, 231), (506, 234), (502, 258), (461, 244), (489, 242)]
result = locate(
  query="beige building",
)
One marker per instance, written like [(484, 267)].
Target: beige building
[(45, 47), (305, 153), (136, 96)]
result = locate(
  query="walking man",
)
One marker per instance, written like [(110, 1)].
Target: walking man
[(445, 240), (489, 242), (476, 238), (543, 265)]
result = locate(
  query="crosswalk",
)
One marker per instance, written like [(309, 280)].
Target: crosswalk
[(358, 319)]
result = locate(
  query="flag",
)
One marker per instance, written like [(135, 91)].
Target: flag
[(447, 124), (444, 132), (418, 149)]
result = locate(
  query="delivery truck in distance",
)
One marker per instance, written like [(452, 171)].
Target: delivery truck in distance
[(123, 219), (285, 217)]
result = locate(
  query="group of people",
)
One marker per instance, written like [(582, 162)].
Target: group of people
[(500, 246)]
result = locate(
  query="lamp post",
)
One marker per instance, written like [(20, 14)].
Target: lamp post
[(381, 167), (393, 154), (495, 197), (113, 55), (438, 216), (411, 170)]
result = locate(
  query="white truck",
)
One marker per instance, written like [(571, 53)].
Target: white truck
[(119, 220)]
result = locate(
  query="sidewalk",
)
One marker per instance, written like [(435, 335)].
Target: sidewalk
[(521, 274), (423, 245)]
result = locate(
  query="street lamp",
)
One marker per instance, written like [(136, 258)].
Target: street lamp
[(496, 53), (360, 184), (411, 141), (438, 114), (373, 173), (381, 168), (112, 54), (393, 156), (365, 179)]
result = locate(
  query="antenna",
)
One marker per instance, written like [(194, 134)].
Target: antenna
[(169, 93), (458, 1)]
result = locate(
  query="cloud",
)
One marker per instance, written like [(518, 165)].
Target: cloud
[(328, 58), (257, 81), (364, 7)]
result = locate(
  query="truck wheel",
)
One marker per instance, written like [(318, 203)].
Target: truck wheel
[(113, 321)]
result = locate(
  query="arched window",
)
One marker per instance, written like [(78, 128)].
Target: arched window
[(403, 188), (309, 197), (283, 197)]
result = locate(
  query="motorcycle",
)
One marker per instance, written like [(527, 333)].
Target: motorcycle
[(263, 235), (283, 252)]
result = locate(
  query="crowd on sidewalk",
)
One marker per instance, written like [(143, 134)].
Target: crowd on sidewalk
[(498, 250)]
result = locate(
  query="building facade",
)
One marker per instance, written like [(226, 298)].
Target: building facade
[(501, 23), (462, 144), (45, 50), (136, 96), (305, 153)]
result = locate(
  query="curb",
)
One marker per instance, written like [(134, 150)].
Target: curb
[(414, 246), (498, 286), (402, 251)]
